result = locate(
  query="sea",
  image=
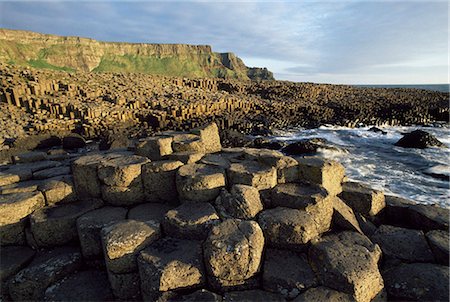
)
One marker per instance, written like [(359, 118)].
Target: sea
[(432, 87), (371, 158)]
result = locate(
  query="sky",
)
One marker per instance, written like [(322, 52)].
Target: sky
[(346, 42)]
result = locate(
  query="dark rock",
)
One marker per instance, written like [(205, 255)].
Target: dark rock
[(201, 295), (439, 243), (112, 141), (419, 139), (52, 141), (321, 294), (305, 146), (418, 282), (377, 130), (429, 217), (265, 143), (252, 296), (82, 286), (13, 259), (404, 244), (73, 141)]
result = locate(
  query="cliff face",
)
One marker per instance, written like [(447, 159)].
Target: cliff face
[(74, 53)]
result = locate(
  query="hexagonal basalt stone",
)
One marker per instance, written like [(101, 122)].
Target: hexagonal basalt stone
[(14, 258), (59, 190), (297, 195), (252, 296), (348, 262), (199, 182), (190, 221), (14, 207), (233, 253), (57, 225), (328, 174), (159, 181), (322, 293), (122, 171), (45, 269), (362, 199), (253, 174), (188, 143), (170, 264), (123, 196), (149, 212), (209, 135), (439, 243), (124, 240), (89, 226), (242, 202), (287, 273), (125, 287), (155, 148)]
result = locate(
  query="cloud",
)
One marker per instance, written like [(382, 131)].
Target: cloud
[(297, 40)]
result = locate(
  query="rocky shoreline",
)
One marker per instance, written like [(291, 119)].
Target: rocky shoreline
[(180, 218)]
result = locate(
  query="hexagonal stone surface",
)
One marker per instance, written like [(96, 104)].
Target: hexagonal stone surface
[(125, 286), (428, 217), (287, 170), (404, 244), (297, 195), (123, 241), (242, 202), (348, 262), (362, 199), (209, 134), (159, 180), (13, 259), (57, 225), (326, 173), (199, 182), (292, 228), (344, 217), (15, 174), (84, 170), (45, 269), (170, 264), (439, 243), (89, 226), (82, 286), (233, 252), (322, 293), (14, 233), (188, 142), (418, 282), (252, 296), (122, 171), (253, 174), (58, 190), (190, 221), (14, 207), (155, 147), (287, 273), (20, 187), (149, 211), (186, 157)]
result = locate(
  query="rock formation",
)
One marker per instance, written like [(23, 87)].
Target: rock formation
[(82, 54), (235, 224)]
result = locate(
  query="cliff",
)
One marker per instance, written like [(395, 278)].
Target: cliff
[(37, 50)]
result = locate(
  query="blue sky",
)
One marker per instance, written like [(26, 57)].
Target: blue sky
[(378, 42)]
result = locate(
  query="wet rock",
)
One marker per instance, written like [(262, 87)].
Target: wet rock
[(14, 258), (427, 217), (233, 253), (199, 182), (419, 139), (292, 228), (348, 262), (155, 148), (46, 268), (58, 190), (328, 174), (241, 202), (57, 225), (159, 181), (73, 141), (287, 273), (251, 296), (404, 244), (190, 221), (149, 212), (265, 143), (362, 199), (123, 241), (122, 171), (377, 130), (305, 146), (252, 174), (439, 243), (170, 264), (418, 282), (322, 293), (81, 286), (210, 138), (344, 217), (89, 226)]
